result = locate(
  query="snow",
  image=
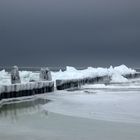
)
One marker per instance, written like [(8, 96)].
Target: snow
[(27, 76), (124, 86), (4, 77), (124, 70), (116, 73), (72, 73), (116, 77)]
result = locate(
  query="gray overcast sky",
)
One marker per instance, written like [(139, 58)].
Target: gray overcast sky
[(69, 32)]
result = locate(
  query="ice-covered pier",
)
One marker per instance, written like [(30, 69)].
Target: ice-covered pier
[(131, 76), (62, 84), (92, 75), (27, 83), (18, 89), (27, 89), (75, 83)]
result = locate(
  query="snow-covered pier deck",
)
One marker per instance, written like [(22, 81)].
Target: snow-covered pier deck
[(75, 83), (27, 89)]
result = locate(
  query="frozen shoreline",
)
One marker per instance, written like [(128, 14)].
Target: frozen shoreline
[(102, 103), (38, 126)]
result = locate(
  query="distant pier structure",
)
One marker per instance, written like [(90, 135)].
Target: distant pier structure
[(18, 89)]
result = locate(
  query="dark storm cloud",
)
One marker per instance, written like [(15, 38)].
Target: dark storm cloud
[(69, 32)]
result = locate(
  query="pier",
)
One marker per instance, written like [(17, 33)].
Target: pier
[(75, 83), (45, 83)]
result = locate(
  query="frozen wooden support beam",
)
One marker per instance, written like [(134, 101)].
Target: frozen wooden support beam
[(15, 78), (75, 83), (45, 74), (28, 89), (131, 76)]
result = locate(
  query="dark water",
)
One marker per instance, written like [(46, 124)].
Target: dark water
[(15, 108)]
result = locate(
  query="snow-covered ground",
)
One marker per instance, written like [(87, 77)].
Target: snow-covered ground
[(72, 73), (115, 102)]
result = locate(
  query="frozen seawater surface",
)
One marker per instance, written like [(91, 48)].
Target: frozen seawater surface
[(114, 102)]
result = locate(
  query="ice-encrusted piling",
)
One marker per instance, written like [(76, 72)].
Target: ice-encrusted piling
[(75, 83), (27, 89), (131, 76), (18, 89), (15, 78), (45, 74)]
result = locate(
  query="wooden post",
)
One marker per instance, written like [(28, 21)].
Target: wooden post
[(15, 78), (45, 74)]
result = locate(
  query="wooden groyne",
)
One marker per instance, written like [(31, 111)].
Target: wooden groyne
[(132, 76), (27, 89), (45, 84), (75, 83), (18, 89)]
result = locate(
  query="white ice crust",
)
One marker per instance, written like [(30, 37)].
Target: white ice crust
[(116, 73), (72, 73), (116, 105)]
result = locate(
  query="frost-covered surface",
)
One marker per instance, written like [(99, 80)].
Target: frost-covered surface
[(72, 73), (112, 103), (116, 73), (4, 77), (25, 76), (26, 86), (116, 77)]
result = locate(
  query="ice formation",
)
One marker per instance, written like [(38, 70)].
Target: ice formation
[(15, 78), (116, 73), (45, 74), (72, 73), (111, 105)]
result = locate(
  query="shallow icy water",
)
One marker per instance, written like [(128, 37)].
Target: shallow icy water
[(30, 122), (97, 112), (110, 105)]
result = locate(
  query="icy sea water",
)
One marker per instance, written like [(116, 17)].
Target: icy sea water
[(28, 120)]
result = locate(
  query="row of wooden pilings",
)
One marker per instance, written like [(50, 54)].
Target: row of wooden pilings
[(18, 89), (75, 83), (45, 84)]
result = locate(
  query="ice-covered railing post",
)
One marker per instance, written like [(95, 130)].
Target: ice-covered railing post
[(45, 74), (15, 78)]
